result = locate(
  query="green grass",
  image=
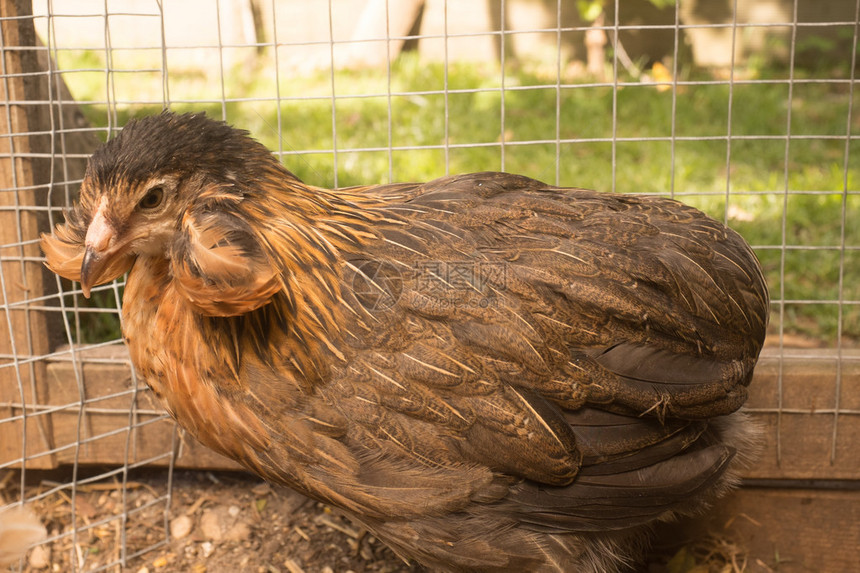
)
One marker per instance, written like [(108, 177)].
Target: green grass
[(760, 169)]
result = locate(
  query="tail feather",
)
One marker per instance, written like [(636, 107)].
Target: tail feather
[(19, 529)]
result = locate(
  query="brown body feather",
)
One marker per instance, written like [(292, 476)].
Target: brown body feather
[(488, 372)]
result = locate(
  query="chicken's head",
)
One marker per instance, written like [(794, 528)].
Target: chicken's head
[(138, 188)]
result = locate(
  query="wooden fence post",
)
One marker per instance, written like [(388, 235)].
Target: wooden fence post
[(32, 124)]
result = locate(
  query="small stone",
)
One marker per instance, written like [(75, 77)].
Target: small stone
[(233, 511), (40, 557), (181, 527), (208, 547), (262, 489), (239, 532), (210, 526)]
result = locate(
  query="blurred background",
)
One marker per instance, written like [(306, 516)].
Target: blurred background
[(745, 109)]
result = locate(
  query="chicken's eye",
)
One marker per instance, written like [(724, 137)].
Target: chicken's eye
[(152, 199)]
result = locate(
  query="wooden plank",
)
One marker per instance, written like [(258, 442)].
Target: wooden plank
[(120, 421), (785, 530), (23, 332), (799, 428), (805, 434), (30, 129)]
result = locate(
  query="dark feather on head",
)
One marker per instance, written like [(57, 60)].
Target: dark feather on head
[(186, 144)]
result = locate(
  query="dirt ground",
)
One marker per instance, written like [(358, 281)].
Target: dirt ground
[(236, 522), (232, 522), (216, 522)]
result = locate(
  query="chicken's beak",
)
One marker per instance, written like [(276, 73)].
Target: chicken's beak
[(90, 267), (100, 235)]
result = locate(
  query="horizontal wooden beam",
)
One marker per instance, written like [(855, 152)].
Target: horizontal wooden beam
[(808, 404), (776, 529), (122, 422)]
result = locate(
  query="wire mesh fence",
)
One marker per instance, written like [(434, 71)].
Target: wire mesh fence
[(745, 110)]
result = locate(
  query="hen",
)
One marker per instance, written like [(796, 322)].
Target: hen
[(487, 372)]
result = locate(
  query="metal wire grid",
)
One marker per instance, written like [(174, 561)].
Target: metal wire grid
[(67, 303)]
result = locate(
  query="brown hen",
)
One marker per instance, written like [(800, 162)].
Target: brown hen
[(489, 373)]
